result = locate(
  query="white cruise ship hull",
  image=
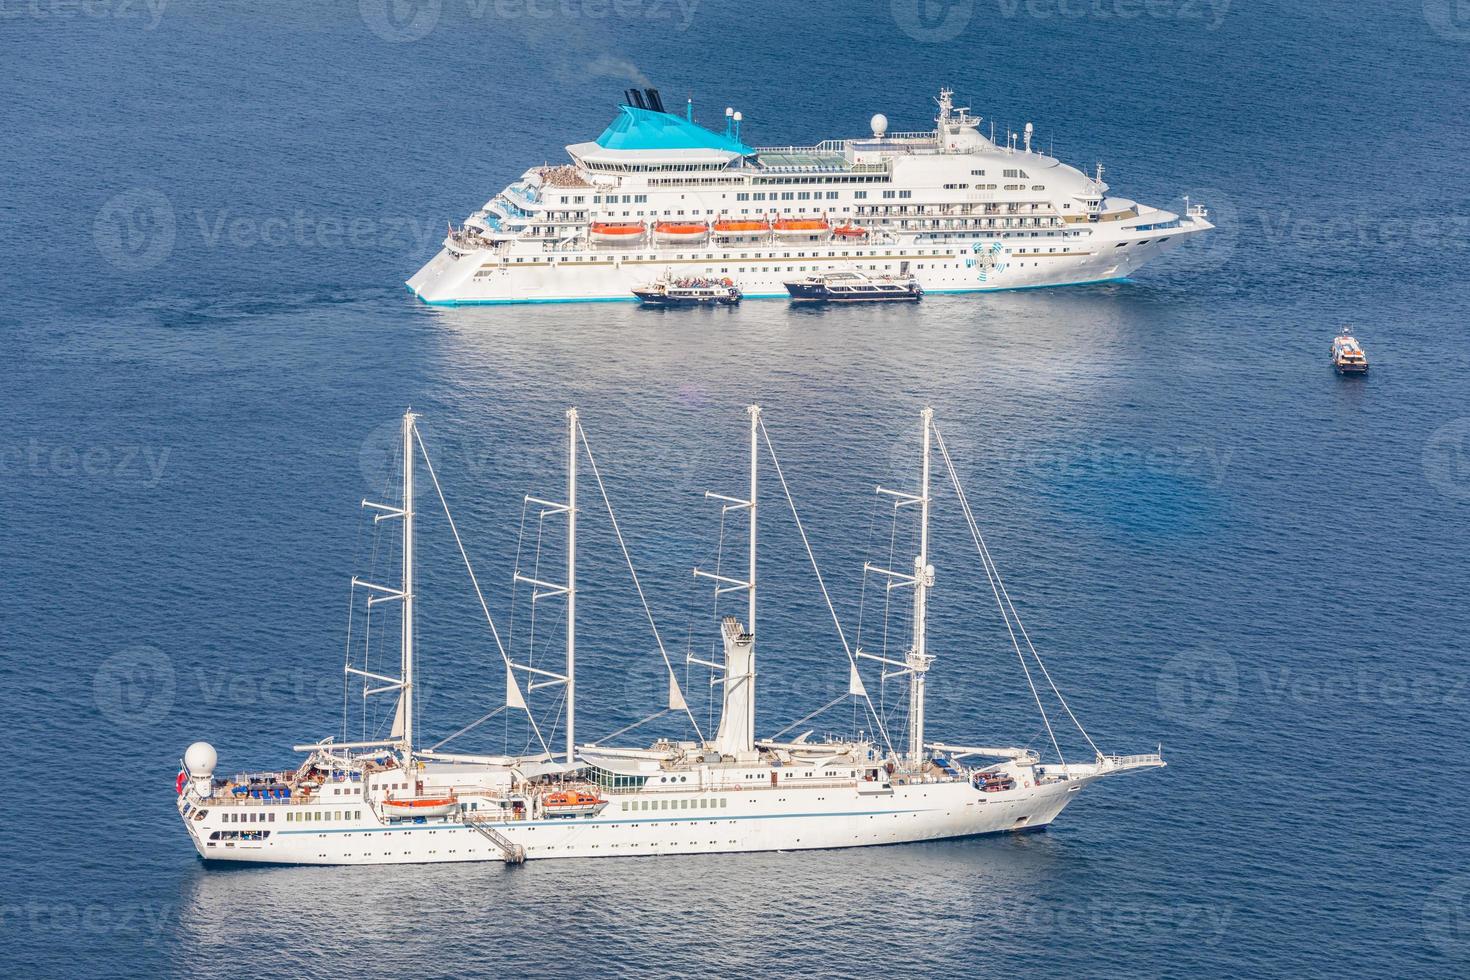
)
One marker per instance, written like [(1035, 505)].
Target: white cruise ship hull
[(513, 274), (761, 820)]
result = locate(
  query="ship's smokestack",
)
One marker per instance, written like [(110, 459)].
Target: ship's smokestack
[(655, 102)]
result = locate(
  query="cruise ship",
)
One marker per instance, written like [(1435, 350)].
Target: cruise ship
[(388, 798), (658, 194)]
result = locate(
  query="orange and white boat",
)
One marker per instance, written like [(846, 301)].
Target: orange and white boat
[(616, 231), (680, 231), (849, 230), (426, 806), (742, 229), (801, 227), (572, 803)]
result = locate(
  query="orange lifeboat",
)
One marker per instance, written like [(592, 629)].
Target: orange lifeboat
[(680, 231), (742, 229), (801, 227), (571, 803), (616, 231), (849, 230)]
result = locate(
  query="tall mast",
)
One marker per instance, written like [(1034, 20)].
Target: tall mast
[(572, 427), (918, 658), (406, 701), (755, 421)]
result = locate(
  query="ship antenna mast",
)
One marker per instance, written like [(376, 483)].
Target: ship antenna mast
[(918, 658), (405, 704), (572, 426)]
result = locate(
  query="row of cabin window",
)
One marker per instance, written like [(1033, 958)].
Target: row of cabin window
[(310, 815), (700, 803)]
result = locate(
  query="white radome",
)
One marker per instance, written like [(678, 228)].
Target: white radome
[(880, 125), (200, 759)]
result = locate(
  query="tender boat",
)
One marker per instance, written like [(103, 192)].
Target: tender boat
[(1348, 356), (849, 231), (689, 292), (854, 287), (432, 806)]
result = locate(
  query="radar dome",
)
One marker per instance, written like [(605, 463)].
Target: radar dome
[(880, 125), (200, 758)]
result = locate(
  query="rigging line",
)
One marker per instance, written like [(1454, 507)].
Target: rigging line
[(602, 489), (1022, 626), (990, 574), (474, 724), (629, 728), (485, 608), (852, 662), (805, 718)]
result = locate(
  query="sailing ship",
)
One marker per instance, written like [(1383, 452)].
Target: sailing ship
[(395, 800)]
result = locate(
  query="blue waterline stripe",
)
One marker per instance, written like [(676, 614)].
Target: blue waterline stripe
[(587, 823), (634, 299)]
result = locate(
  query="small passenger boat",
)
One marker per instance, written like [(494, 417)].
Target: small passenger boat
[(1348, 356), (697, 291), (854, 287)]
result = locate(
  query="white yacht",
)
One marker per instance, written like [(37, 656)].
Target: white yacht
[(959, 210), (391, 799)]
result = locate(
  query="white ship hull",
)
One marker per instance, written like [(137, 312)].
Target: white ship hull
[(511, 275), (762, 820)]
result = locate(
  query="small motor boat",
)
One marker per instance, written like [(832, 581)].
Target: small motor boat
[(850, 231), (425, 806), (1348, 356), (572, 803)]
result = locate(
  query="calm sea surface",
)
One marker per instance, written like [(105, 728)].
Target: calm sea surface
[(207, 215)]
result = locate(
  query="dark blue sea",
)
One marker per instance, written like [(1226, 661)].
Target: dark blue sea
[(207, 212)]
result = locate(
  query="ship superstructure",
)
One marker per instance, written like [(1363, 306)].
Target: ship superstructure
[(393, 800), (659, 195)]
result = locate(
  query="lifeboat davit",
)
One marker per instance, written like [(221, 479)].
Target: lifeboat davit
[(430, 806), (849, 230), (801, 227), (742, 229), (680, 231), (572, 803), (616, 231)]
